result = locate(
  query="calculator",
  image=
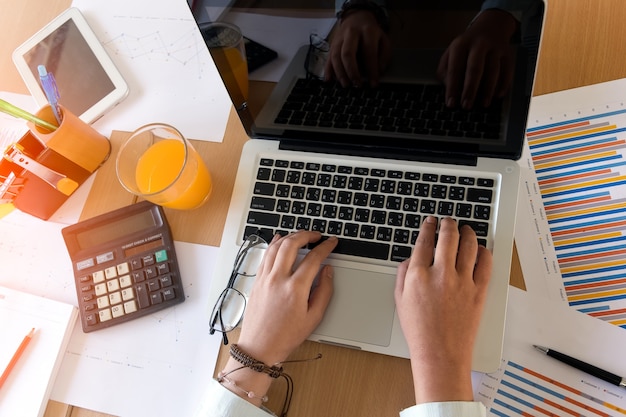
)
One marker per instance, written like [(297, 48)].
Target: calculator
[(124, 265)]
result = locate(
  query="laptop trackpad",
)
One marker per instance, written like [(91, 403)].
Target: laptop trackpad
[(362, 307)]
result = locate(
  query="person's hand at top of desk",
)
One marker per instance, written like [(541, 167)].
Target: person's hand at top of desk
[(477, 65), (439, 301)]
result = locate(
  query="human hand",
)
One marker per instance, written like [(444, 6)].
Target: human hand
[(480, 62), (439, 300), (358, 43), (282, 311)]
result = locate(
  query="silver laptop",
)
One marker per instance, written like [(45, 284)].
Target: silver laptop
[(372, 181)]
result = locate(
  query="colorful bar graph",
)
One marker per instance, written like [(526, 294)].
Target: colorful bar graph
[(526, 392), (581, 172)]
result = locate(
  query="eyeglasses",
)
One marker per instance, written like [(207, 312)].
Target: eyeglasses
[(231, 304)]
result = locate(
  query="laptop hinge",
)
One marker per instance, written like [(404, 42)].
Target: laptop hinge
[(406, 154)]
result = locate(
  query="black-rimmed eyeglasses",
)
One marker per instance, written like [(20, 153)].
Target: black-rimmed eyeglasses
[(231, 304)]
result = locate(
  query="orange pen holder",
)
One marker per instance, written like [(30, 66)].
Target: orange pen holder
[(40, 171)]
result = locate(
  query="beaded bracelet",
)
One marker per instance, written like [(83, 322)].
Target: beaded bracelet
[(274, 371), (221, 378)]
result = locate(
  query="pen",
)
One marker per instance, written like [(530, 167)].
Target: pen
[(14, 111), (49, 85), (16, 356), (583, 366)]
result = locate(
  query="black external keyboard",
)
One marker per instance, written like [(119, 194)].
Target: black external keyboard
[(401, 108), (376, 213)]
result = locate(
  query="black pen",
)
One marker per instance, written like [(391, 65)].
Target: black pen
[(585, 367)]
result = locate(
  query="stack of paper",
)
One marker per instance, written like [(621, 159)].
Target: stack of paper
[(27, 389)]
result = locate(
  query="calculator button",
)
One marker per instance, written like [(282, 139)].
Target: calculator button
[(98, 276), (150, 272), (123, 269), (103, 302), (105, 257), (117, 311), (87, 297), (115, 298), (87, 263), (113, 285), (163, 268), (91, 319), (128, 294), (89, 307), (148, 260), (136, 264), (110, 272), (166, 281), (138, 277), (161, 256), (100, 289), (142, 296), (156, 298), (105, 315), (125, 281), (130, 307), (85, 288), (153, 285), (86, 278), (169, 294)]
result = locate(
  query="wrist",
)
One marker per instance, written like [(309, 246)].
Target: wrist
[(376, 8), (442, 382)]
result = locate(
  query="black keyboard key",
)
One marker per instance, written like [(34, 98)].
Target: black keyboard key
[(263, 203), (399, 253), (482, 212), (368, 249), (264, 219), (264, 188), (479, 195), (481, 228)]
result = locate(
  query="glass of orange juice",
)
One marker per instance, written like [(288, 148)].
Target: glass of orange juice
[(227, 47), (158, 164)]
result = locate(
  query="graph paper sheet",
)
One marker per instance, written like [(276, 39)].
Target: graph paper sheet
[(530, 383), (573, 200)]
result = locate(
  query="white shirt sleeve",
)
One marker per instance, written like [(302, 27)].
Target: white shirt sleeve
[(446, 409), (218, 401)]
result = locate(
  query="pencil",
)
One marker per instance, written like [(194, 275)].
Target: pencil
[(16, 356)]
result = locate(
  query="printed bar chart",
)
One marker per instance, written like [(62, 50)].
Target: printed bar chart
[(580, 166), (525, 392)]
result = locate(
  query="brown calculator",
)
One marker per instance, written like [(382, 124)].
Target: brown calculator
[(124, 265)]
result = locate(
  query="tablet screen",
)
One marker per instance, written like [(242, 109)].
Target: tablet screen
[(81, 80)]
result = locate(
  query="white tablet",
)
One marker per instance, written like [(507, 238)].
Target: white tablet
[(89, 84)]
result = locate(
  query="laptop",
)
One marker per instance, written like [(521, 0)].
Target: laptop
[(372, 184)]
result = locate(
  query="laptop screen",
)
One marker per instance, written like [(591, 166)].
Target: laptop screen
[(438, 79)]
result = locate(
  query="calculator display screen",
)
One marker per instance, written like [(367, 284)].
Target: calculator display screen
[(115, 229)]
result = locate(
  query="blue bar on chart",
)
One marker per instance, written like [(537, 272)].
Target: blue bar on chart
[(521, 391), (581, 171)]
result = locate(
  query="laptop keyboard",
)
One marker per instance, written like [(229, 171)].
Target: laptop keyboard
[(400, 108), (376, 213)]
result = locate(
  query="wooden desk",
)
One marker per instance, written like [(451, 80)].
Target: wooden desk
[(584, 43)]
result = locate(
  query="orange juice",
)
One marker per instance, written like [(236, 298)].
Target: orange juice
[(167, 179), (239, 67)]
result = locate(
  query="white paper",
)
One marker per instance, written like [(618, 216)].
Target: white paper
[(156, 365), (158, 48), (27, 388), (166, 356), (529, 380), (579, 269)]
